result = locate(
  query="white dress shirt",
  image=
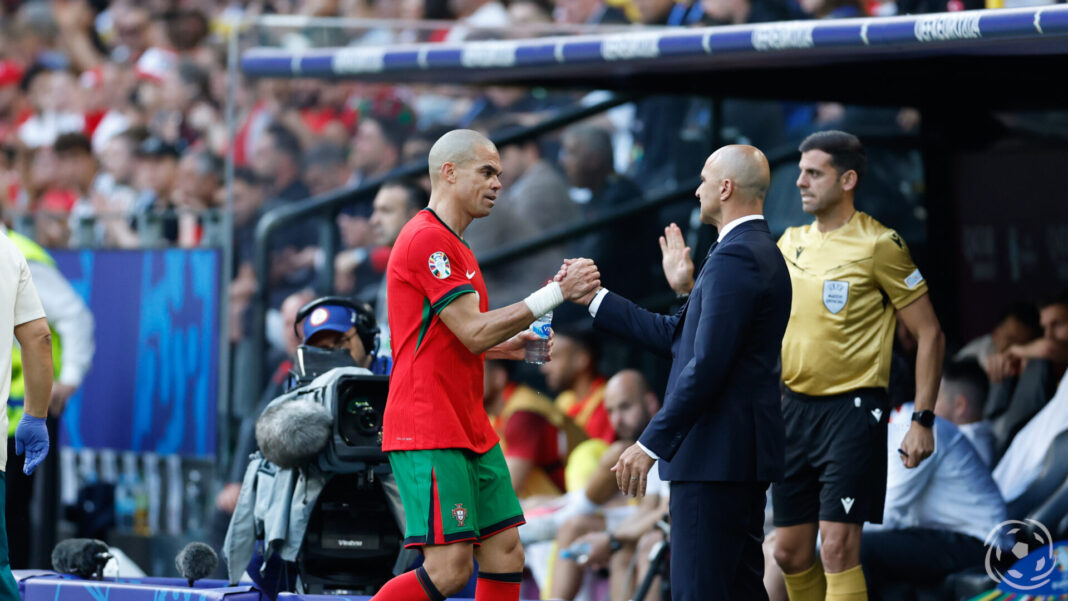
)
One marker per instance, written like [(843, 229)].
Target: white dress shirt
[(950, 490)]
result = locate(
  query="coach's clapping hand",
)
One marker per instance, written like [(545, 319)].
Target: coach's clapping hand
[(579, 280)]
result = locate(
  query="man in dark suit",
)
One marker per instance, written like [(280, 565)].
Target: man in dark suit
[(719, 436)]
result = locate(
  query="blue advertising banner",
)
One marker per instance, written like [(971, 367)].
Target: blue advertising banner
[(153, 386)]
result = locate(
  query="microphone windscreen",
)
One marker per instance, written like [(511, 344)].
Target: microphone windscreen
[(82, 557), (293, 433), (196, 561)]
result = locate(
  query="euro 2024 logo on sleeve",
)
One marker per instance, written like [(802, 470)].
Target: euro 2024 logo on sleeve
[(1019, 555)]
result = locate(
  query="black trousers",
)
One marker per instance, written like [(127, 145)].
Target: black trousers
[(716, 532), (34, 551), (916, 556)]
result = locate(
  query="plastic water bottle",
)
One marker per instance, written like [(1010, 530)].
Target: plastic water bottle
[(579, 552), (538, 350)]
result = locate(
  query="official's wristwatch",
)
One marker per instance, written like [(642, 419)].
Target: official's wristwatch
[(614, 544), (925, 418)]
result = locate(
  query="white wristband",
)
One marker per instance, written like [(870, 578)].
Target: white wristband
[(547, 298)]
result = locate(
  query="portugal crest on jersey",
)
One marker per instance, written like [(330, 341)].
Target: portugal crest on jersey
[(439, 265), (459, 514)]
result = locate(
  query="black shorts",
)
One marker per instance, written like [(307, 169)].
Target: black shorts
[(835, 458)]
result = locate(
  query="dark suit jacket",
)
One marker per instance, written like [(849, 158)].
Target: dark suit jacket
[(722, 414)]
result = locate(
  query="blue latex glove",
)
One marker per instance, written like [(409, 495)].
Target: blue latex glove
[(31, 436)]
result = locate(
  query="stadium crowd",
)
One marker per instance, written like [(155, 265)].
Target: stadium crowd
[(113, 133)]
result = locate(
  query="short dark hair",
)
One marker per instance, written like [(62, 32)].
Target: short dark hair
[(586, 339), (325, 153), (208, 163), (394, 132), (415, 195), (966, 378), (286, 141), (1060, 298), (847, 153), (595, 141), (74, 142), (1023, 312), (247, 175)]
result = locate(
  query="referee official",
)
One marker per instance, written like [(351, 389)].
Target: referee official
[(852, 279)]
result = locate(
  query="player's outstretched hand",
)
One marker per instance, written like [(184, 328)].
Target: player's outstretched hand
[(581, 280)]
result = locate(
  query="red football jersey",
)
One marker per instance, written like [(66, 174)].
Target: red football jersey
[(435, 391)]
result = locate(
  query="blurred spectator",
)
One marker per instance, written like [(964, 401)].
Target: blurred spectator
[(376, 148), (1018, 324), (77, 172), (832, 9), (475, 14), (1022, 463), (588, 12), (113, 194), (960, 402), (573, 375), (248, 205), (396, 202), (630, 405), (1024, 376), (1053, 345), (530, 12), (53, 97), (11, 101), (199, 175), (324, 168), (276, 159), (534, 199), (417, 148), (937, 515), (155, 175), (624, 251), (536, 436), (133, 32), (187, 112)]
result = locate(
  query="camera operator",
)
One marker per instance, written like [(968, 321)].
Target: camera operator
[(336, 323), (326, 323)]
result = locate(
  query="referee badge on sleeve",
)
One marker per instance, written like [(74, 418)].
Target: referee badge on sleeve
[(835, 295)]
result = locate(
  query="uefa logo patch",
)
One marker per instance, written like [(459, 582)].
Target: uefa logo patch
[(439, 265)]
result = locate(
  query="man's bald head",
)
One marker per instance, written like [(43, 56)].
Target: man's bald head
[(457, 147), (747, 167), (627, 382), (630, 403)]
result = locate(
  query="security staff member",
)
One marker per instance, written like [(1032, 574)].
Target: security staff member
[(852, 278)]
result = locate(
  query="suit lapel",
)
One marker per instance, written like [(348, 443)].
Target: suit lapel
[(754, 224)]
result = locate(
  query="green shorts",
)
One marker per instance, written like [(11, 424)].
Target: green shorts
[(454, 495)]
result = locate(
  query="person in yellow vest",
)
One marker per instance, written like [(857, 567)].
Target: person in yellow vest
[(536, 436), (573, 374), (22, 318), (72, 328)]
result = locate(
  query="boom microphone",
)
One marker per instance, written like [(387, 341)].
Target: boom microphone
[(196, 561), (292, 433), (82, 557)]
